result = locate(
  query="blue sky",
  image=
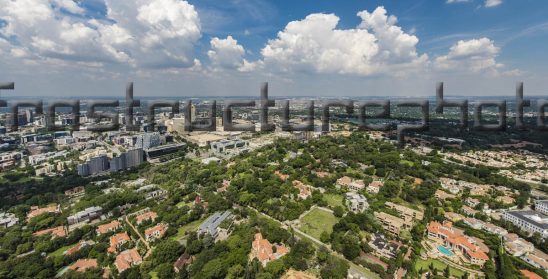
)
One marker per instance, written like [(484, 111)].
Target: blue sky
[(323, 48)]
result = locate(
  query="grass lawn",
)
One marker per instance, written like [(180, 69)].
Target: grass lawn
[(186, 228), (59, 252), (318, 221), (333, 200), (440, 266), (181, 204), (153, 275)]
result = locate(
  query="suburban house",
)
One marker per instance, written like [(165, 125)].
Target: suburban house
[(36, 211), (304, 190), (457, 240), (150, 215), (109, 227), (55, 232), (127, 259), (117, 240), (263, 250), (82, 265), (155, 232), (356, 202), (374, 187), (392, 223)]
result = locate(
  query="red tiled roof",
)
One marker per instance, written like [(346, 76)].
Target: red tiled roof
[(83, 264), (529, 274), (151, 215), (105, 228), (55, 232), (261, 249), (127, 259), (117, 239), (456, 239)]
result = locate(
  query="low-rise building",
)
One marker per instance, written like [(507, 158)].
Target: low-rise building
[(356, 202), (537, 259), (117, 240), (392, 223), (85, 215), (474, 223), (55, 232), (529, 221), (456, 240), (382, 247), (211, 225), (155, 232), (374, 187), (78, 247), (453, 217), (442, 195), (182, 262), (468, 211), (541, 206), (472, 202), (36, 211), (127, 259), (262, 249), (82, 265), (8, 220), (76, 192), (109, 227), (517, 246), (305, 191), (150, 215), (408, 214)]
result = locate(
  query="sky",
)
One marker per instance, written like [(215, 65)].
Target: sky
[(314, 48)]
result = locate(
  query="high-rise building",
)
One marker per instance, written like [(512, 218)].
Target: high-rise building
[(148, 140), (134, 157)]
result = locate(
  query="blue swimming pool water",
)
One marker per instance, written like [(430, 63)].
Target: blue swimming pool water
[(445, 251)]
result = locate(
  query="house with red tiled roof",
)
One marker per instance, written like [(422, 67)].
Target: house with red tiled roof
[(456, 240), (183, 261), (77, 247), (224, 186), (155, 232), (530, 274), (304, 190), (36, 211), (82, 265), (151, 215), (55, 232), (282, 176), (117, 240), (264, 251), (109, 227), (127, 259), (374, 187), (343, 181)]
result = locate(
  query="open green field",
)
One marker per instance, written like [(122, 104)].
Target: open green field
[(438, 265), (318, 221), (192, 226), (59, 252), (333, 200), (181, 204)]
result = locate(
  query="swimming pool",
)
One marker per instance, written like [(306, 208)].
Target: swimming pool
[(445, 251)]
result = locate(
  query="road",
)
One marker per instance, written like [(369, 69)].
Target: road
[(354, 269), (149, 249)]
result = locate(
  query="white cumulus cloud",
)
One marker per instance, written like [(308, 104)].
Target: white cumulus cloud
[(492, 3), (476, 56), (376, 46), (226, 53), (141, 33)]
